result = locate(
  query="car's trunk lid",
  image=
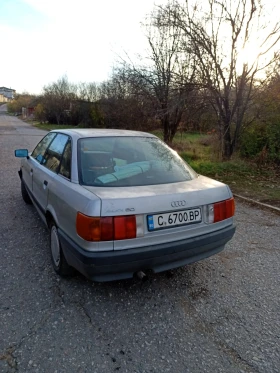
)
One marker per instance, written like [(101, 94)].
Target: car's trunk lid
[(159, 198)]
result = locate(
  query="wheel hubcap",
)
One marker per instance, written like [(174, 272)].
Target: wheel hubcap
[(55, 247)]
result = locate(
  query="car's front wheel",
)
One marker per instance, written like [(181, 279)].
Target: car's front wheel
[(58, 259), (25, 195)]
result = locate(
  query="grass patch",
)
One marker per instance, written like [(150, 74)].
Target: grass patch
[(244, 178), (181, 137), (50, 127), (194, 146)]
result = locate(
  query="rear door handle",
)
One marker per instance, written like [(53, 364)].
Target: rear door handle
[(45, 182)]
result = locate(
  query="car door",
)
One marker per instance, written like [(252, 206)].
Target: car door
[(32, 162), (46, 171), (62, 196)]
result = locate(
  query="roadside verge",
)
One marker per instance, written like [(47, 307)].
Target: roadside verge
[(257, 203)]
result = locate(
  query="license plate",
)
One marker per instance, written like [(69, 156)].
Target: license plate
[(172, 219)]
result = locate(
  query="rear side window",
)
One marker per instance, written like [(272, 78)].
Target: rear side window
[(129, 161), (53, 154)]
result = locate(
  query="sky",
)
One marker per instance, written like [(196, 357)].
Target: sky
[(43, 40)]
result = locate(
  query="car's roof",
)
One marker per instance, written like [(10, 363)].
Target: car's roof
[(100, 132)]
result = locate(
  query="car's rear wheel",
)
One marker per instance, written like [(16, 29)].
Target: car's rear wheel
[(25, 195), (58, 259)]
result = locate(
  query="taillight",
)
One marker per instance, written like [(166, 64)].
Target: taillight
[(106, 228), (220, 211), (124, 227)]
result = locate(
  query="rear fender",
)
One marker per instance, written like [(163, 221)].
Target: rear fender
[(51, 216)]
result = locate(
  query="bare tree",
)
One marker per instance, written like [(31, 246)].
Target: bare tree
[(57, 98), (88, 91), (121, 105), (220, 31), (166, 77)]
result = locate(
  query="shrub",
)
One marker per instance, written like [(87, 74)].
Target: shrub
[(261, 142)]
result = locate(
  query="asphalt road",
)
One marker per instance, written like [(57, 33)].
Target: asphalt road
[(218, 315)]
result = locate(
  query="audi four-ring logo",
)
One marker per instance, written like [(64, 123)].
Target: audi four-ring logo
[(178, 203)]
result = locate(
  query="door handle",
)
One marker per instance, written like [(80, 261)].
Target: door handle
[(45, 182)]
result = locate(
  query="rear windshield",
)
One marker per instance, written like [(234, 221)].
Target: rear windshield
[(129, 161)]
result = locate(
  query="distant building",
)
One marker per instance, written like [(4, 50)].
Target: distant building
[(2, 98), (6, 94)]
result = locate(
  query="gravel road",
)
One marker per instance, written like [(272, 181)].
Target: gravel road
[(218, 315)]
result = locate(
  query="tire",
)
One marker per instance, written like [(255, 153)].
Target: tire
[(25, 195), (59, 262)]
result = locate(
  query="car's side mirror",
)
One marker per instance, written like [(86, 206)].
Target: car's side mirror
[(21, 153)]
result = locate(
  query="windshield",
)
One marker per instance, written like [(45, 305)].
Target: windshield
[(129, 161)]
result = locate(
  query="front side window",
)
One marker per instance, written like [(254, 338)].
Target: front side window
[(41, 148), (53, 154), (129, 161)]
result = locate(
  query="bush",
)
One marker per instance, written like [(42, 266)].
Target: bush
[(261, 142), (274, 143), (253, 141)]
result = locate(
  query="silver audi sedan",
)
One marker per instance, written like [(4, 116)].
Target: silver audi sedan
[(120, 202)]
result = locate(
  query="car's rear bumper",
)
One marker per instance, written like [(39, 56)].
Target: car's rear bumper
[(121, 264)]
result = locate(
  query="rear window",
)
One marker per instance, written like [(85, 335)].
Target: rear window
[(129, 161)]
